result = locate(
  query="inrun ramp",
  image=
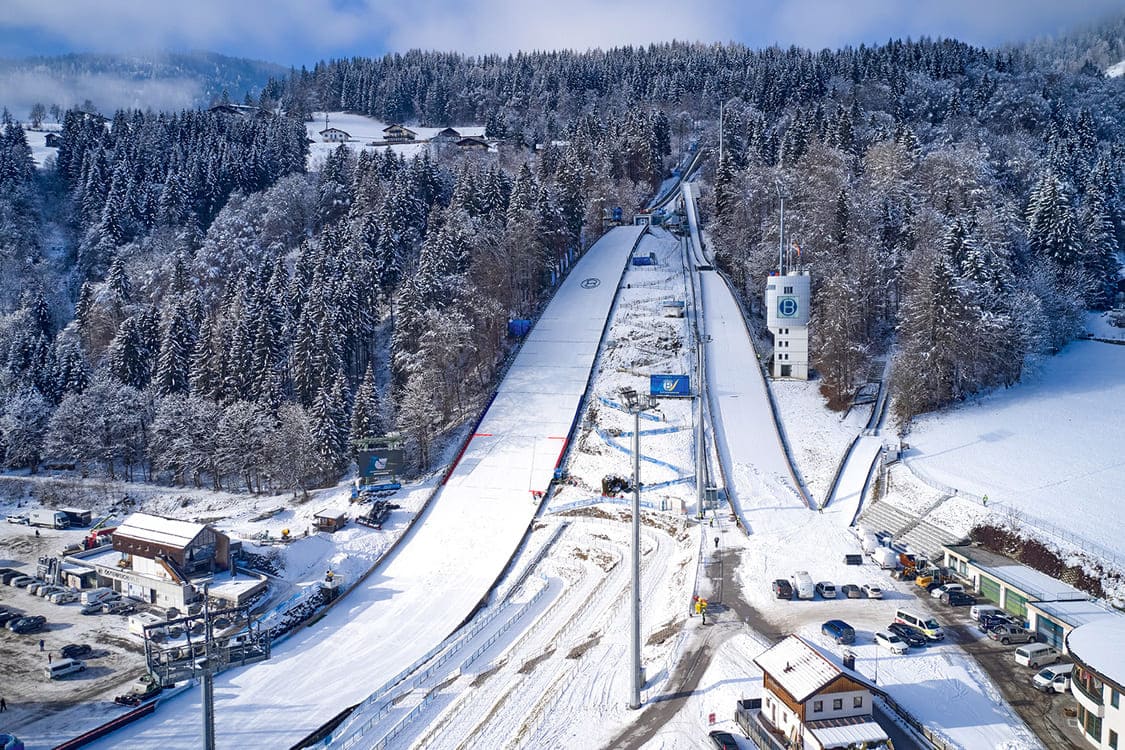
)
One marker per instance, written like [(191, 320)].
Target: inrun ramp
[(427, 587)]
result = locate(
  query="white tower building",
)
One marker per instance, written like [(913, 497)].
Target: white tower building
[(788, 301)]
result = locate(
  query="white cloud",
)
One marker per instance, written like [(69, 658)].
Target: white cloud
[(303, 31)]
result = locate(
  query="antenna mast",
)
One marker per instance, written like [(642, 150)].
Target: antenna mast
[(781, 232)]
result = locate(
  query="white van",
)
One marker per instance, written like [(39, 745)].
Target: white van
[(803, 585), (1054, 679), (93, 596), (63, 667), (1036, 655), (978, 611), (927, 625)]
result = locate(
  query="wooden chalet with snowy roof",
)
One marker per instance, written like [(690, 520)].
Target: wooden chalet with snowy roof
[(335, 135), (472, 143), (53, 140), (395, 133), (811, 702), (447, 135)]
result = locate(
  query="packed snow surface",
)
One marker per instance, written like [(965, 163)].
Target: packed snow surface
[(467, 535), (1044, 449)]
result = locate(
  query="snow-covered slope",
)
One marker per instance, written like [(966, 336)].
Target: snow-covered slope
[(1115, 70), (448, 562), (1049, 448)]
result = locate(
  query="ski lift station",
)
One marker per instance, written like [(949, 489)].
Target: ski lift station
[(788, 299)]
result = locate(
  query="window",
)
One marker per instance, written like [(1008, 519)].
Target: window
[(837, 704), (1093, 727), (1114, 698), (787, 290), (817, 706), (1113, 739), (857, 702)]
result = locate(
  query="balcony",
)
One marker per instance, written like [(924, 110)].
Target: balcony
[(1093, 703)]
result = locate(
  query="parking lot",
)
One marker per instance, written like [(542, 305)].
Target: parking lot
[(1043, 712), (117, 658)]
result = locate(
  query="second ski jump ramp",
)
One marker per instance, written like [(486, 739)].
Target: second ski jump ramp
[(428, 586)]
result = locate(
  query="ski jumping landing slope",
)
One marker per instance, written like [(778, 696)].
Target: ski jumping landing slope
[(757, 467), (435, 579)]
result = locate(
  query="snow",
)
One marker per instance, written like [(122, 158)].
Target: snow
[(797, 667), (37, 140), (1116, 70), (169, 531), (1039, 450), (365, 130), (407, 605), (1038, 586), (1098, 644)]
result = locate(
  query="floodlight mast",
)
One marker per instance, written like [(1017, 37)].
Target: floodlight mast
[(634, 404)]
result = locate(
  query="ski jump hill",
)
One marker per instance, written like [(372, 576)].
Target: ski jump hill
[(757, 469), (449, 560)]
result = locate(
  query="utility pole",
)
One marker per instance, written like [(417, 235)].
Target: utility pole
[(634, 404), (206, 680)]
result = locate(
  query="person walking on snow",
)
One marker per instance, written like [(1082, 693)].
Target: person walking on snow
[(3, 705)]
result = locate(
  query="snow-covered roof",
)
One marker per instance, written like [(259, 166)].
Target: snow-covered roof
[(159, 530), (1038, 586), (845, 732), (1098, 645), (800, 669), (1074, 613)]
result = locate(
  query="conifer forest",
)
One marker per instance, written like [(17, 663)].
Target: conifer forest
[(187, 300)]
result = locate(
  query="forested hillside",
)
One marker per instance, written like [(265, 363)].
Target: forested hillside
[(187, 304), (103, 81)]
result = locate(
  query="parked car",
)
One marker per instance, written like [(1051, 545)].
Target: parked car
[(913, 638), (937, 592), (7, 615), (8, 575), (872, 592), (891, 642), (851, 591), (839, 631), (803, 585), (27, 624), (1011, 634), (723, 740), (119, 607), (1054, 679), (17, 518), (91, 609), (136, 699), (46, 591), (989, 621), (76, 650), (20, 581), (66, 596), (826, 590), (782, 589), (29, 586), (958, 599), (978, 611), (63, 667)]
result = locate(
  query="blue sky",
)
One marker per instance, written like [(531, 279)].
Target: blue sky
[(296, 32)]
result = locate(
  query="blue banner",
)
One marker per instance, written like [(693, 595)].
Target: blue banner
[(669, 385)]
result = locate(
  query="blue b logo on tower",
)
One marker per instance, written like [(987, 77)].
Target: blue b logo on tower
[(787, 307)]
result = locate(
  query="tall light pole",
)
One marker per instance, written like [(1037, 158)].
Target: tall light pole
[(635, 404)]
